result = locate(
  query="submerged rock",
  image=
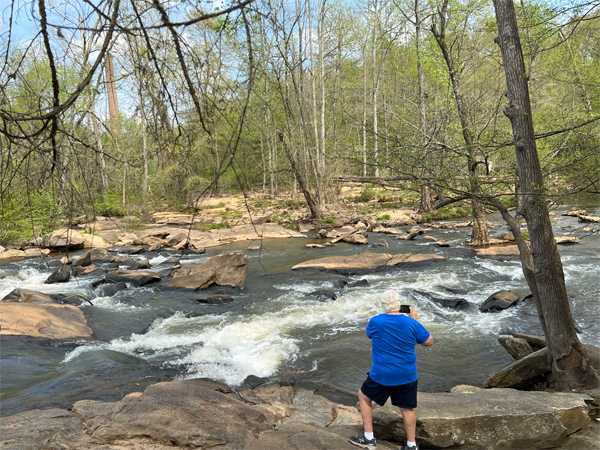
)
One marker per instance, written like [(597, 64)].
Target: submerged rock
[(381, 243), (322, 295), (455, 303), (214, 299), (499, 301)]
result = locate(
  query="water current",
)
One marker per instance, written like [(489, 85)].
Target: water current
[(272, 329)]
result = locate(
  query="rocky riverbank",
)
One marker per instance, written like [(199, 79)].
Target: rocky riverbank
[(268, 414), (201, 413)]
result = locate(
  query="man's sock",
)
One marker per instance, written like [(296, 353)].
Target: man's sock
[(411, 444), (369, 436)]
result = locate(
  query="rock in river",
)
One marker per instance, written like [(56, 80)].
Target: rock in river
[(43, 320), (226, 269), (499, 301), (134, 277), (365, 262)]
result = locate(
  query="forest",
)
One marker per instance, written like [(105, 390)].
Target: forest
[(115, 108)]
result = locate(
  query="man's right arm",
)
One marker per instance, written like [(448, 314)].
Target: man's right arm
[(413, 314), (428, 342)]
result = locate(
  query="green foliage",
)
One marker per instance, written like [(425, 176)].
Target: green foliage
[(367, 193), (328, 220), (445, 213), (111, 206), (27, 215), (510, 201), (383, 217), (293, 203)]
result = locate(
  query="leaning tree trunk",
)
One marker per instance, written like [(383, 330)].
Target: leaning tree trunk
[(570, 364), (479, 235)]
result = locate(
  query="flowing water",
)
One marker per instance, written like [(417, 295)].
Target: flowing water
[(274, 330)]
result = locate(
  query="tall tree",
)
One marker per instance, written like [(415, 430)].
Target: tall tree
[(569, 361)]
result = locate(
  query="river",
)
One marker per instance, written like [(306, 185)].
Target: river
[(274, 330)]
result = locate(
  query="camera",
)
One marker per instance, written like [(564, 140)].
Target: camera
[(405, 309)]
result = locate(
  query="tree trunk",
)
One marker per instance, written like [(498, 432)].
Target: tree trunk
[(480, 234), (570, 364), (425, 205), (111, 91)]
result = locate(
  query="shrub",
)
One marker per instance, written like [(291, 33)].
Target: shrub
[(368, 193)]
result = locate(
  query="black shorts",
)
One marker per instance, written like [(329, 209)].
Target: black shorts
[(403, 395)]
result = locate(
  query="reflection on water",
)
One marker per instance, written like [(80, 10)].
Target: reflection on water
[(274, 329)]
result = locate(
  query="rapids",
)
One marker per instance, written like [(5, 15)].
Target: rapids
[(274, 330)]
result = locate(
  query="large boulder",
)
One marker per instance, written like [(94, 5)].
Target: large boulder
[(454, 303), (60, 275), (489, 419), (356, 238), (92, 241), (365, 262), (133, 277), (65, 238), (100, 255), (43, 320), (522, 373), (226, 269), (499, 301), (193, 413)]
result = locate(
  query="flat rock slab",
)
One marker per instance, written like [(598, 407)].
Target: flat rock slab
[(499, 252), (365, 262), (43, 320), (489, 419), (134, 277), (249, 232)]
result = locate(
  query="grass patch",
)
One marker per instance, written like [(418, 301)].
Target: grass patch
[(211, 226), (230, 215), (383, 217)]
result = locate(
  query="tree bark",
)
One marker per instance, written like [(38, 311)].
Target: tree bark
[(570, 364)]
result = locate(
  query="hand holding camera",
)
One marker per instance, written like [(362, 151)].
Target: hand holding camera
[(406, 309)]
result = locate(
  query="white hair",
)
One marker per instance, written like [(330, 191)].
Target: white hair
[(391, 301)]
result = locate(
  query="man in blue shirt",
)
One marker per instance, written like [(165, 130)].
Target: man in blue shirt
[(394, 371)]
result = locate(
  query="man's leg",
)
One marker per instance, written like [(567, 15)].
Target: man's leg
[(410, 423), (366, 411)]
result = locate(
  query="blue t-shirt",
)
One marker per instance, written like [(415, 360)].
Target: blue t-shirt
[(394, 337)]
